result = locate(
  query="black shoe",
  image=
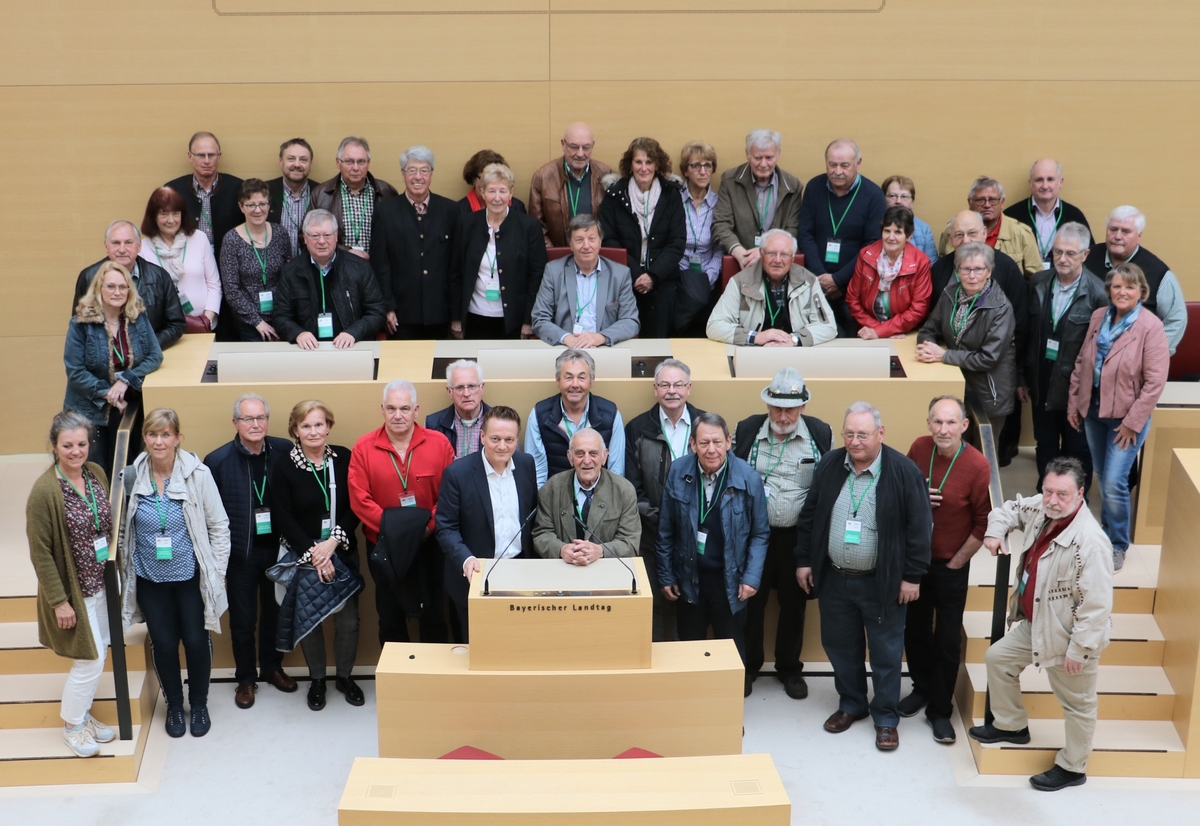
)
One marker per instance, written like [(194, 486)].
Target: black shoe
[(1006, 454), (1057, 778), (990, 734), (176, 725), (910, 705), (795, 686), (200, 722), (347, 686), (943, 729), (316, 694), (749, 686)]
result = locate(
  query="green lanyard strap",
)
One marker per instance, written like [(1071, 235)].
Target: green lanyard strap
[(116, 347), (706, 506), (671, 447), (764, 207), (262, 265), (947, 475), (321, 281), (774, 313), (1055, 319), (692, 226), (1044, 249), (323, 485), (958, 329), (90, 499), (579, 308), (260, 492), (838, 223), (855, 504), (162, 516), (407, 467)]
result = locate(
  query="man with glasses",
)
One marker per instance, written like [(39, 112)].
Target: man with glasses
[(653, 441), (755, 197), (862, 547), (462, 421), (291, 193), (783, 446), (774, 302), (1010, 237), (1063, 300), (122, 241), (240, 469), (411, 246), (352, 195), (568, 186), (211, 198), (1043, 211), (326, 297)]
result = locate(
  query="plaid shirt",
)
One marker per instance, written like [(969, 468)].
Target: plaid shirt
[(357, 210), (291, 216), (861, 556), (205, 196), (466, 439)]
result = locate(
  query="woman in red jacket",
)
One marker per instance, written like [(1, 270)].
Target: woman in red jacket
[(889, 293)]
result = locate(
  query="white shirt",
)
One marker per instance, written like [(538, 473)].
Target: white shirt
[(488, 276), (506, 509), (677, 434)]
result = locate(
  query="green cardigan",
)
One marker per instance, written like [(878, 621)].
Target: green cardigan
[(50, 551)]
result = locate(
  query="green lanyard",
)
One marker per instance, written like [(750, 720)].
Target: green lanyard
[(670, 446), (162, 516), (261, 263), (773, 313), (490, 256), (764, 207), (353, 221), (838, 223), (116, 347), (260, 492), (90, 499), (696, 232), (580, 308), (706, 506), (1057, 318), (1033, 221), (324, 487), (947, 476), (407, 467), (574, 198), (321, 280), (855, 504), (957, 330), (578, 510), (770, 449)]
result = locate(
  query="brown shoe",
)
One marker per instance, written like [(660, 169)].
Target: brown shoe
[(244, 696), (281, 681), (839, 721), (886, 738)]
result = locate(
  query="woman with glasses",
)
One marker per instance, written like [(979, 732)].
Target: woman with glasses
[(698, 163), (899, 190), (1119, 375), (110, 349), (252, 257), (975, 324), (888, 295), (169, 239)]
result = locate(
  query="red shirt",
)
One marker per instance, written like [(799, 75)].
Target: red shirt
[(1033, 556), (966, 500), (376, 485), (994, 235)]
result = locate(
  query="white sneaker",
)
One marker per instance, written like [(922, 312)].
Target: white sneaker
[(81, 741), (100, 732)]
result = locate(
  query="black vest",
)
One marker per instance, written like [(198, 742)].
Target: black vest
[(1154, 268), (548, 412), (713, 558)]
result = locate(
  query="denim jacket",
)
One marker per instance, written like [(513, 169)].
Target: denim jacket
[(87, 356), (743, 521)]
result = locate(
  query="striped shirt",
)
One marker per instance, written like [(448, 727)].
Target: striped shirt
[(204, 221), (466, 436), (860, 557), (357, 210), (291, 216)]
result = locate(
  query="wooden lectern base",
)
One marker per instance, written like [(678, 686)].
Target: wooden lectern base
[(697, 791), (689, 702)]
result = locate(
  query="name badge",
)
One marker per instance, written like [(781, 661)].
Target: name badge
[(359, 248), (701, 538), (853, 532), (1045, 265), (577, 329), (492, 291), (266, 301), (1024, 582), (185, 303), (1051, 350), (262, 521), (326, 527), (833, 250), (100, 544), (766, 492), (408, 501), (162, 547), (324, 325), (758, 240)]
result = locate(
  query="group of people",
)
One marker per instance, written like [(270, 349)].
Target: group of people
[(722, 515)]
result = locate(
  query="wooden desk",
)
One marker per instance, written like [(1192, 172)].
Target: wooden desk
[(689, 702), (742, 789), (1175, 423)]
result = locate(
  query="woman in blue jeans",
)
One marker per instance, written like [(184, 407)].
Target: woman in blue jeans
[(1118, 377)]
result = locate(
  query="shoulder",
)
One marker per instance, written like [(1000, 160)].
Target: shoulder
[(622, 485), (600, 168), (436, 419), (523, 463), (220, 455), (789, 180), (152, 272), (644, 422), (729, 176), (182, 184), (45, 485), (895, 462), (435, 438), (366, 441), (921, 448)]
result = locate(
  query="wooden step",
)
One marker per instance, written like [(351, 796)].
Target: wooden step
[(1135, 639), (21, 653), (34, 700), (1120, 748), (1126, 692), (39, 757), (1134, 586), (18, 609)]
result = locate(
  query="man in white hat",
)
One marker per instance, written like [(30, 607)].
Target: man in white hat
[(784, 446)]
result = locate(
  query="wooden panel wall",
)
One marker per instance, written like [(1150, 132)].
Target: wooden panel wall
[(99, 99)]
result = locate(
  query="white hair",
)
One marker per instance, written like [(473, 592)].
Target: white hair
[(844, 142), (421, 154), (136, 232), (354, 141), (588, 431), (775, 233), (764, 138), (464, 364), (400, 384), (865, 407), (250, 397), (1077, 232), (319, 216), (1033, 166), (1128, 213)]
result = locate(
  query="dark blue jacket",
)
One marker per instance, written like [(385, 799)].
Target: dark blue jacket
[(230, 466), (602, 414), (743, 522), (87, 355), (863, 206), (443, 422)]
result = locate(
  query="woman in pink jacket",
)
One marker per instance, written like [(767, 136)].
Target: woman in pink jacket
[(889, 293), (1119, 375)]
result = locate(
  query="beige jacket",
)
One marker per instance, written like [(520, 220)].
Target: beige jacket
[(1015, 240), (1074, 581), (207, 525), (741, 308)]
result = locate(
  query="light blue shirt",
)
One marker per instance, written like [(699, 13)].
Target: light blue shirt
[(1170, 307), (923, 239), (587, 286), (699, 236), (535, 447)]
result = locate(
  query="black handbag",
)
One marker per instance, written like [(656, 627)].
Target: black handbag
[(691, 297)]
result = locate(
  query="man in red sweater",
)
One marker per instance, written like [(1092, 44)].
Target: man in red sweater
[(958, 477)]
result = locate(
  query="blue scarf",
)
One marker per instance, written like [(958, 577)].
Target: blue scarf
[(1110, 331)]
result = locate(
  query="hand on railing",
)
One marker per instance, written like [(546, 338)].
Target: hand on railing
[(995, 545)]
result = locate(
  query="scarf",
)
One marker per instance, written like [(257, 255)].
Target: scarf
[(962, 309), (171, 258), (888, 270), (1110, 331), (644, 204)]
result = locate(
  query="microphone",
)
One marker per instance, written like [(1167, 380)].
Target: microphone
[(500, 556), (632, 575)]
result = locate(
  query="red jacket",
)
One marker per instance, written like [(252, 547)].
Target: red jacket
[(911, 291), (1131, 378), (375, 485)]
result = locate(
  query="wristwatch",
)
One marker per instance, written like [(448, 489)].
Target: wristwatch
[(796, 339)]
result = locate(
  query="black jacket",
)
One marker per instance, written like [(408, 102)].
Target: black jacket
[(520, 262), (1024, 211), (275, 196), (411, 255), (230, 466), (158, 293), (1006, 274), (902, 516), (747, 429), (225, 212), (443, 422), (355, 302), (1072, 329), (647, 461)]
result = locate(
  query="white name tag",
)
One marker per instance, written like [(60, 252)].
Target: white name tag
[(100, 545), (326, 527), (162, 547), (325, 325), (262, 521), (833, 249), (758, 240), (853, 532), (185, 303), (1051, 350), (266, 301), (701, 539), (577, 329), (408, 501), (1045, 265)]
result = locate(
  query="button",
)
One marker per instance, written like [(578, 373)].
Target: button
[(421, 236), (425, 272)]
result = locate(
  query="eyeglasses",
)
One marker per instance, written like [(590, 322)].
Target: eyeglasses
[(676, 385), (777, 256), (988, 199), (205, 156), (256, 207), (972, 270), (580, 147), (703, 165), (117, 288), (1057, 253), (321, 236), (354, 161), (858, 437), (253, 419), (963, 236), (899, 196), (417, 171), (465, 388)]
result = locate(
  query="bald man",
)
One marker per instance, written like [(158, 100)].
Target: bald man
[(567, 186), (1043, 211)]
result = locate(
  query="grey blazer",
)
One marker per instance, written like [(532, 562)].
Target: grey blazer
[(553, 310)]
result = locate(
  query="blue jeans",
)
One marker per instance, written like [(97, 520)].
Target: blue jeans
[(1112, 466), (848, 607)]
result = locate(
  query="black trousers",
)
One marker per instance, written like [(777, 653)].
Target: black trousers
[(846, 325), (1055, 437), (251, 602), (933, 636), (1010, 433), (174, 613), (779, 573), (479, 327), (419, 332), (426, 578), (712, 609)]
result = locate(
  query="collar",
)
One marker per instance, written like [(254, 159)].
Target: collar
[(245, 451), (366, 186), (582, 274), (327, 267), (580, 488), (567, 173), (287, 190), (384, 442), (196, 185), (301, 461), (1053, 210), (1108, 264), (710, 197), (1060, 287), (994, 235), (685, 417), (715, 475), (587, 408), (853, 186), (424, 200), (508, 471), (874, 467), (774, 182), (460, 420)]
